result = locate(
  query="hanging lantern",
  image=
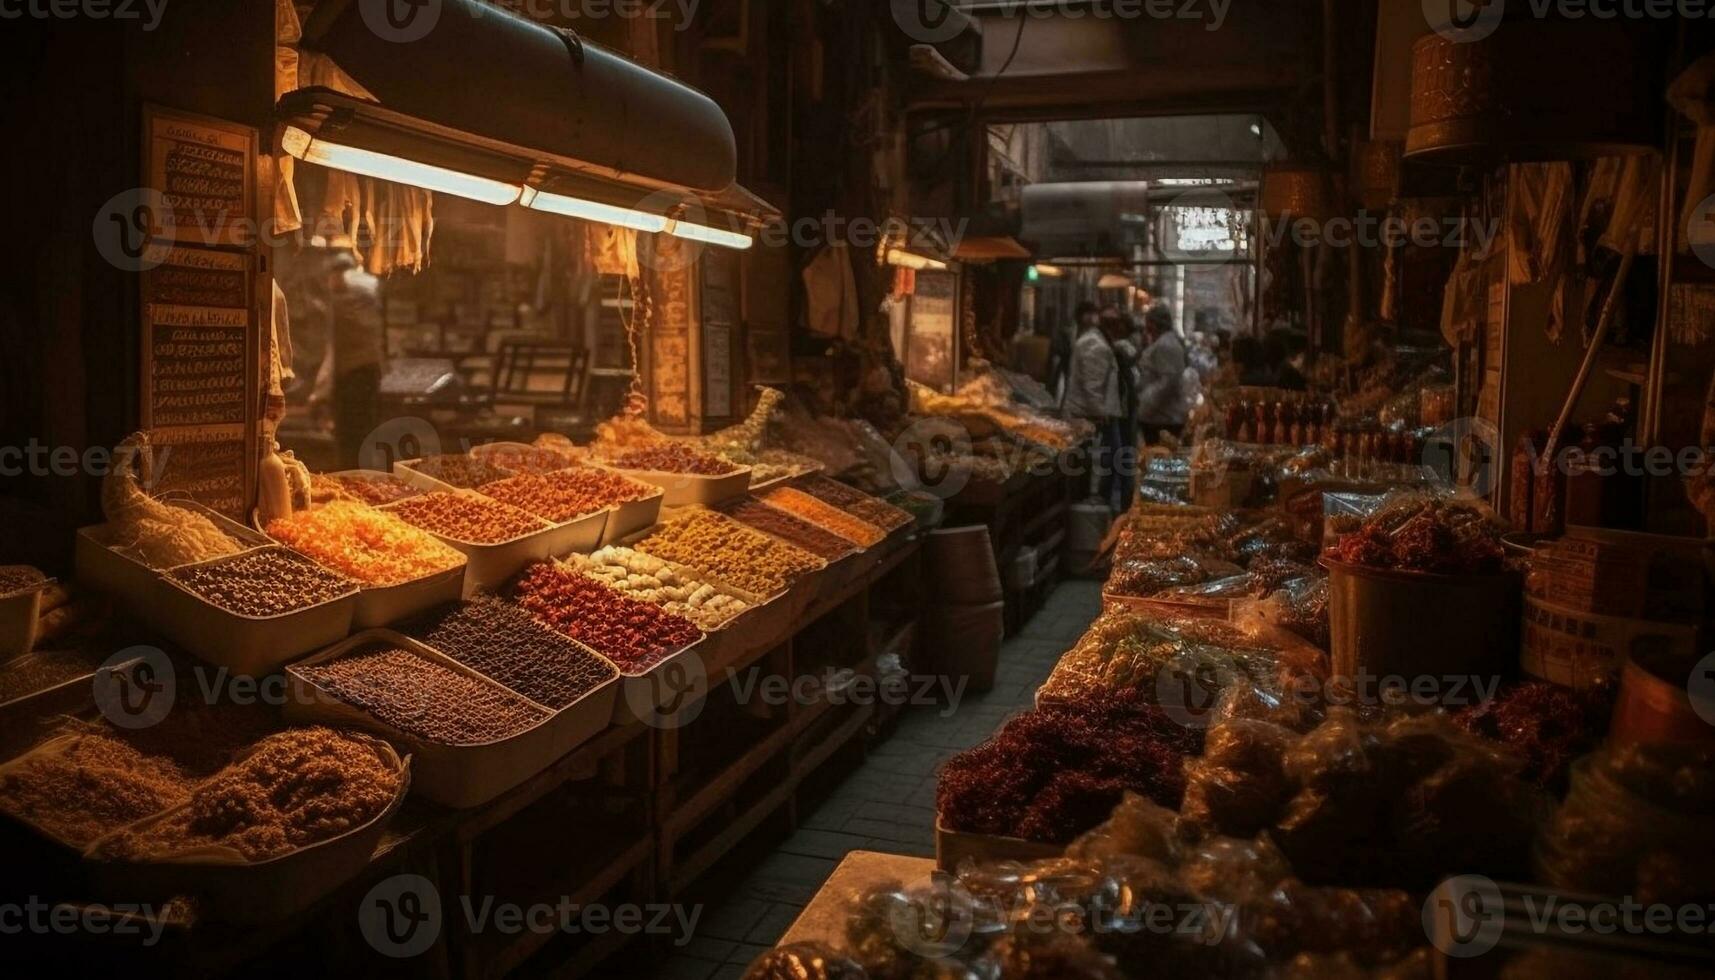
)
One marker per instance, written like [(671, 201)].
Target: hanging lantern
[(1533, 90), (1294, 191)]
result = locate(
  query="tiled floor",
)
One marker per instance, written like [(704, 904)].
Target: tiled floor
[(887, 804)]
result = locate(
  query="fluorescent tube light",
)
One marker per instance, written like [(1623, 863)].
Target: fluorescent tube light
[(911, 260), (369, 163), (711, 236), (577, 207)]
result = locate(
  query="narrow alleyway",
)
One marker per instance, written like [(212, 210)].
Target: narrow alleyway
[(886, 804)]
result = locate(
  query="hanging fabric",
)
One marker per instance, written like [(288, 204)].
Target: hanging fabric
[(831, 293)]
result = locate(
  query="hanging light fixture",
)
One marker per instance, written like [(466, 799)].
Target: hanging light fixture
[(911, 260), (577, 207), (343, 134), (692, 231), (384, 166)]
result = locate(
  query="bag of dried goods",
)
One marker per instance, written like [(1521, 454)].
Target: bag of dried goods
[(157, 534), (1635, 822), (1424, 533)]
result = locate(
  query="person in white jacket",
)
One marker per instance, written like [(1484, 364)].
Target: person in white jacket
[(1093, 394), (1162, 401)]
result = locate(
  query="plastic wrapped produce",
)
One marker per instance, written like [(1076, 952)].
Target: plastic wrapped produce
[(1138, 826), (895, 934), (1269, 916), (1054, 956), (1187, 660), (1239, 785), (1424, 533), (1143, 577), (1403, 804), (1299, 606), (1635, 822)]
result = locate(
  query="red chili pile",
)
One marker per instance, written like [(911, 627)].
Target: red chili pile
[(674, 458), (1441, 537), (634, 635), (1060, 770), (1547, 724)]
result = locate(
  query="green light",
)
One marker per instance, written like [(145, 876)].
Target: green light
[(1034, 274)]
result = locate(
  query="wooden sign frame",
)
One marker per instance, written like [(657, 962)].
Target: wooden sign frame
[(202, 274)]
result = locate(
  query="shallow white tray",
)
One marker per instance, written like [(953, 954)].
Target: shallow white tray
[(375, 475), (686, 488), (379, 606), (488, 449), (489, 566), (626, 519), (656, 694), (407, 470), (459, 776), (246, 645), (580, 535)]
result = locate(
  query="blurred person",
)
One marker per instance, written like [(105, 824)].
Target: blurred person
[(1283, 351), (1126, 337), (1093, 394), (1064, 339), (357, 351), (1162, 400), (1252, 363), (1201, 354)]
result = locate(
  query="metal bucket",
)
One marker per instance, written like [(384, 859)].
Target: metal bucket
[(1388, 623), (1654, 706)]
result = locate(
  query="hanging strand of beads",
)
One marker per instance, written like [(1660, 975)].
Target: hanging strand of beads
[(637, 321)]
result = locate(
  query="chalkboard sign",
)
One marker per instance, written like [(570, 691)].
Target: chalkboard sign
[(198, 366), (204, 171), (196, 333), (201, 324)]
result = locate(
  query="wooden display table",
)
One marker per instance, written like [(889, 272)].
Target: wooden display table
[(631, 817), (824, 919)]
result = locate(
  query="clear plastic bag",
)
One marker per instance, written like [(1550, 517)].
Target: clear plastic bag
[(1299, 606), (1239, 785), (1635, 822)]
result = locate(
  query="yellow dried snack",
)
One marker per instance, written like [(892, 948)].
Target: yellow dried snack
[(723, 548), (362, 543)]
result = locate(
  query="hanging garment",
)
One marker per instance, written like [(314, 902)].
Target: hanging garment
[(1693, 94), (831, 293), (1538, 233)]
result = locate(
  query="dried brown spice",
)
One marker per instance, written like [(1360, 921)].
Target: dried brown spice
[(422, 698)]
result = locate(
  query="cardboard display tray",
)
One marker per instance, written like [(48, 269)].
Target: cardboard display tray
[(458, 776)]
